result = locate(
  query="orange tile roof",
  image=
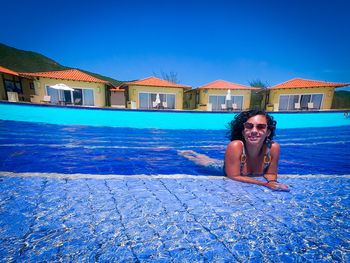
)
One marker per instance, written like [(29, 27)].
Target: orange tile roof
[(222, 84), (117, 89), (70, 74), (8, 71), (155, 82), (304, 83)]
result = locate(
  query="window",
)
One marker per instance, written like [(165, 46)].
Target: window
[(79, 96), (317, 100), (54, 94), (238, 100), (289, 102), (88, 95), (67, 96), (170, 99), (217, 100), (304, 100), (146, 100), (13, 86), (283, 103)]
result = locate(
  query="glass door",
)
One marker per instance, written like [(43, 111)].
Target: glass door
[(316, 99), (144, 99), (78, 97), (289, 102), (238, 100)]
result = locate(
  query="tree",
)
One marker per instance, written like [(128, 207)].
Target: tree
[(258, 100), (257, 83), (341, 100), (171, 76)]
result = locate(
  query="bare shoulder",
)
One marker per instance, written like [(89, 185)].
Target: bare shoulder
[(275, 148), (235, 145), (235, 148)]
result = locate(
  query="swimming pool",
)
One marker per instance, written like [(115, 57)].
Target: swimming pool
[(100, 193)]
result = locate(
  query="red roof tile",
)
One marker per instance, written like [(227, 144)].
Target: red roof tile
[(117, 89), (304, 83), (155, 82), (8, 71), (70, 74), (222, 84)]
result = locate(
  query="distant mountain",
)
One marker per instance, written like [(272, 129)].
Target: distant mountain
[(27, 61)]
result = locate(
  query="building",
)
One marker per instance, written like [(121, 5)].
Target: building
[(154, 93), (74, 88), (219, 95), (15, 87), (301, 94)]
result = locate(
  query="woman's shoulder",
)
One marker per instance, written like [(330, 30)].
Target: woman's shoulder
[(275, 145), (234, 150), (275, 148), (235, 146)]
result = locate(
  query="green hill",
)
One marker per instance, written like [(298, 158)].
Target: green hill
[(27, 61)]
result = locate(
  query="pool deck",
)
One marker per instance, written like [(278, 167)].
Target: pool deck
[(179, 218)]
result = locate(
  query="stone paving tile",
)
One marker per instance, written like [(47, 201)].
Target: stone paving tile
[(173, 220)]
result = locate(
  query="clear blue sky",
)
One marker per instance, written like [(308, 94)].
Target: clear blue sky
[(202, 41)]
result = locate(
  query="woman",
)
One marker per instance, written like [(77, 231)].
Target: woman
[(251, 151)]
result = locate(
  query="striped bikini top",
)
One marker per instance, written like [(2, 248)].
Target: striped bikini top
[(267, 158)]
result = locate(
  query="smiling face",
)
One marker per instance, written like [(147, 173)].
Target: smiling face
[(255, 130)]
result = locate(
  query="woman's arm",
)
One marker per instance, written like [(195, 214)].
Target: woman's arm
[(233, 164), (271, 173)]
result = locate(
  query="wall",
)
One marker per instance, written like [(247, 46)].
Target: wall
[(118, 99), (99, 88), (327, 92), (27, 91), (135, 90), (204, 96)]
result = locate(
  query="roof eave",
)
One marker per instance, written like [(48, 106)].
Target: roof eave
[(247, 88), (330, 86), (48, 77), (161, 86)]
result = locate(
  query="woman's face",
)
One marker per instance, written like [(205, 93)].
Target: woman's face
[(255, 130)]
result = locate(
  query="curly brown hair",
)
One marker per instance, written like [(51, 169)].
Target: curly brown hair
[(236, 125)]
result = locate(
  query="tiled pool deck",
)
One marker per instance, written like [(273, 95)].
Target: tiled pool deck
[(52, 217)]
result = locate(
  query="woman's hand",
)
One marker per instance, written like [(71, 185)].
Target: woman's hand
[(273, 185)]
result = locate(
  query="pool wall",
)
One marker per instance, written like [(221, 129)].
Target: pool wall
[(157, 119)]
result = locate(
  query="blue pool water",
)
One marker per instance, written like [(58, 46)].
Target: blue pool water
[(38, 147), (73, 188)]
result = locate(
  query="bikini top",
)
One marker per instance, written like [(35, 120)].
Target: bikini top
[(267, 158)]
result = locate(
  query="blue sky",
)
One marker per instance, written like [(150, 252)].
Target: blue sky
[(202, 41)]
